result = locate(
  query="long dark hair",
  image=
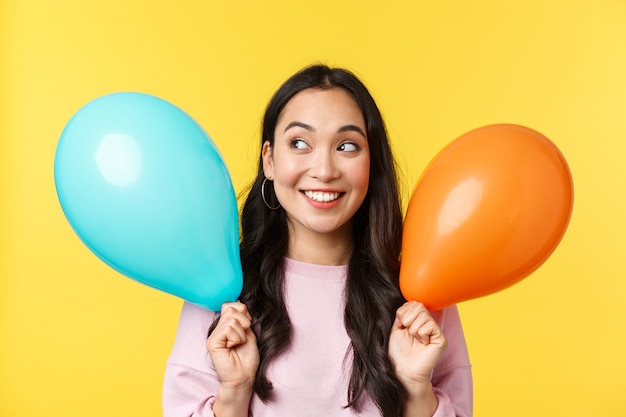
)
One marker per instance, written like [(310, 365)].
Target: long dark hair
[(372, 293)]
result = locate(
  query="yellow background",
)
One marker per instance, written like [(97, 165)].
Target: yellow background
[(77, 338)]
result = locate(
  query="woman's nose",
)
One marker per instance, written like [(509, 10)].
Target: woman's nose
[(323, 166)]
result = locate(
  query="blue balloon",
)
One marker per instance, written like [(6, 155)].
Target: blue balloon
[(146, 190)]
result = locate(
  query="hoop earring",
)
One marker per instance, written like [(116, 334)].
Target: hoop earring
[(263, 196)]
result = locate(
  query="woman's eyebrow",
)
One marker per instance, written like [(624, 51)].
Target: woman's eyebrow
[(351, 128), (346, 128), (299, 124)]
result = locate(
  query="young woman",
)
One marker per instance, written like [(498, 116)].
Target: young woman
[(321, 328)]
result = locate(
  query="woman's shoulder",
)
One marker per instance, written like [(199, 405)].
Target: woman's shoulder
[(456, 355), (195, 319), (191, 335), (447, 317)]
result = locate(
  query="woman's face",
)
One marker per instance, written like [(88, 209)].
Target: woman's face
[(320, 162)]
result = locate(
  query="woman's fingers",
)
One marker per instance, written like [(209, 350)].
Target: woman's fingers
[(238, 310), (416, 343), (234, 325), (416, 319), (232, 334), (232, 347)]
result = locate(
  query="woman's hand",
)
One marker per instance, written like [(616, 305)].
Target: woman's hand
[(416, 343), (235, 355)]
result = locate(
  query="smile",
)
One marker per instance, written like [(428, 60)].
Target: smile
[(322, 197)]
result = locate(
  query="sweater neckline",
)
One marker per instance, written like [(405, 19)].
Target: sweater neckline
[(335, 273)]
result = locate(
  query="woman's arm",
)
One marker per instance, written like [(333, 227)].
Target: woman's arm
[(192, 384), (452, 376)]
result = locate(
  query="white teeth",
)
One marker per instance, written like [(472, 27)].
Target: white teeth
[(321, 197)]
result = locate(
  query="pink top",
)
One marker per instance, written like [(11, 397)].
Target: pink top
[(309, 377)]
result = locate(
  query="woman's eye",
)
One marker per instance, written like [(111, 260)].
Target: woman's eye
[(299, 144), (348, 147)]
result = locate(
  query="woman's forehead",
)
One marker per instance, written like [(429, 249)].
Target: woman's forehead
[(315, 105)]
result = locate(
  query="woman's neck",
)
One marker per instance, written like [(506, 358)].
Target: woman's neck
[(320, 249)]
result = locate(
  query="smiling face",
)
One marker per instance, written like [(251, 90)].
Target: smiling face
[(320, 164)]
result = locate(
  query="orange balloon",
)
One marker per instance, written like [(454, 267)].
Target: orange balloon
[(489, 209)]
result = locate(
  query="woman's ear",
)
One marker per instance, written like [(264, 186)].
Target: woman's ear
[(268, 161)]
